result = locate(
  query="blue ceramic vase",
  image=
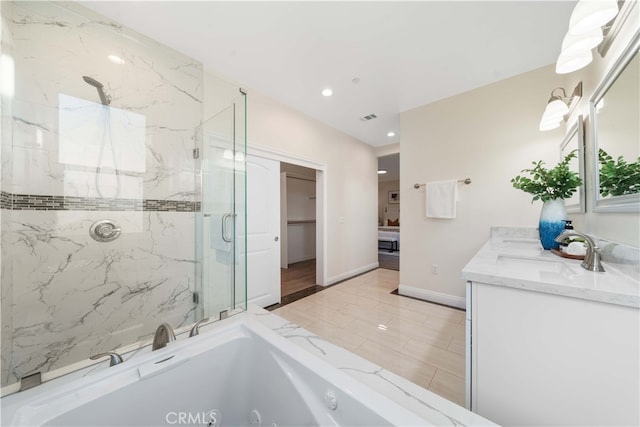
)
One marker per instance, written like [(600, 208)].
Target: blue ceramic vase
[(552, 217)]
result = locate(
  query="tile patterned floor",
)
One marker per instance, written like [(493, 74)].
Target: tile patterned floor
[(417, 340)]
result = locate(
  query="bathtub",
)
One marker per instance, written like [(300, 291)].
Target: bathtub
[(238, 373)]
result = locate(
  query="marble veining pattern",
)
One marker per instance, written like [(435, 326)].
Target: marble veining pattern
[(423, 402), (538, 270), (624, 257), (78, 297), (161, 89), (64, 295)]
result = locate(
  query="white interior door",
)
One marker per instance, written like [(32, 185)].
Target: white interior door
[(263, 231)]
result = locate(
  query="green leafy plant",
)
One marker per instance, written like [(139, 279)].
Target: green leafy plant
[(618, 177), (544, 184)]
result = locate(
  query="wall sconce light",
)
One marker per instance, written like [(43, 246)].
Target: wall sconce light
[(591, 14), (559, 107), (569, 63), (585, 33), (575, 44)]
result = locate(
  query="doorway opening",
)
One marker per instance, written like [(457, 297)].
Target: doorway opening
[(264, 203), (298, 229), (389, 211)]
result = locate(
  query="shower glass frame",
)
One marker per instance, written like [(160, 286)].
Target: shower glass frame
[(221, 269)]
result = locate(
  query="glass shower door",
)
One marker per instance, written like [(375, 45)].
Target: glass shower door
[(223, 231)]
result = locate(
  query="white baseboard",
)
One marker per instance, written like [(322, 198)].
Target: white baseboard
[(350, 274), (302, 257), (432, 296), (264, 300)]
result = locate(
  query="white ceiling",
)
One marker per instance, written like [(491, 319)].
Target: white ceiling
[(406, 54)]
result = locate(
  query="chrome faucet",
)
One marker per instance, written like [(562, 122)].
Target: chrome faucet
[(164, 335), (196, 328), (592, 257), (114, 358)]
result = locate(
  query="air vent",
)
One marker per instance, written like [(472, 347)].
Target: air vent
[(369, 117)]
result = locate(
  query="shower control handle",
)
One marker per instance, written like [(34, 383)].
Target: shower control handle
[(104, 231)]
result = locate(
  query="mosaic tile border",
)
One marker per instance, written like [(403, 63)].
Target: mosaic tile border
[(38, 202)]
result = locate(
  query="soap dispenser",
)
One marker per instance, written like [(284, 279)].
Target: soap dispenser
[(568, 225)]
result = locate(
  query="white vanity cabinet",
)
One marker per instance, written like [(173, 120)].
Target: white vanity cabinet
[(537, 358)]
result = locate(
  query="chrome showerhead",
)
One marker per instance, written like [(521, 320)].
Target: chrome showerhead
[(104, 98)]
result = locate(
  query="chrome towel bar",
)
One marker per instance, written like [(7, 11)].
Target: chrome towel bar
[(466, 181)]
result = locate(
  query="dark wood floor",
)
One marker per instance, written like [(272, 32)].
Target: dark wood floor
[(299, 280), (298, 276), (390, 261)]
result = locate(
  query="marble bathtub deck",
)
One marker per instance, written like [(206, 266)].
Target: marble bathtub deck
[(419, 341), (435, 409), (428, 406)]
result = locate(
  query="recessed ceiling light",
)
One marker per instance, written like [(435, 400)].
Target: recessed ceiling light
[(381, 171), (327, 92), (116, 59), (392, 133)]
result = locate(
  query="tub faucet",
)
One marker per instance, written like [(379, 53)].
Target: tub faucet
[(164, 335), (196, 328), (114, 358), (592, 257)]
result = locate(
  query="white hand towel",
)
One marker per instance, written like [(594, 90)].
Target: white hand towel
[(441, 199)]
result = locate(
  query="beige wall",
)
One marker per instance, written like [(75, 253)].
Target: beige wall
[(489, 135), (351, 177)]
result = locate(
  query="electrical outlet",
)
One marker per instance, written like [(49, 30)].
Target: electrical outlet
[(434, 268)]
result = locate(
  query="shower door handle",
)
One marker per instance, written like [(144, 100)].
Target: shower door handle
[(225, 217)]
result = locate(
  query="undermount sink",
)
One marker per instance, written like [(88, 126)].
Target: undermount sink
[(524, 243), (527, 247), (530, 263)]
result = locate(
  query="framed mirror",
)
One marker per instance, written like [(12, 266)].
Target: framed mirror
[(574, 141), (615, 109)]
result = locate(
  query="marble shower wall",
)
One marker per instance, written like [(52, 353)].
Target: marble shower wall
[(6, 289), (67, 161)]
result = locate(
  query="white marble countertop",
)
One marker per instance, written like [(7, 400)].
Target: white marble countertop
[(516, 260), (426, 404)]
